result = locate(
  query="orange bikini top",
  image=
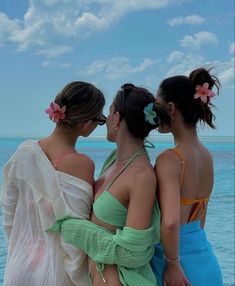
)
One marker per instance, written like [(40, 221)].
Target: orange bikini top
[(198, 205)]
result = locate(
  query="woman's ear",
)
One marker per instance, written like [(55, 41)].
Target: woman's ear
[(87, 123), (116, 119), (171, 108), (84, 125)]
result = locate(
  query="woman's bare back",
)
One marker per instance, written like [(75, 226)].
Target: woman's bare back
[(198, 177)]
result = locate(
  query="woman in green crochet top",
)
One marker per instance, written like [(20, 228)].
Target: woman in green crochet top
[(125, 223)]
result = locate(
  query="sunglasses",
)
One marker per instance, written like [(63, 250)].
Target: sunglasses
[(101, 119)]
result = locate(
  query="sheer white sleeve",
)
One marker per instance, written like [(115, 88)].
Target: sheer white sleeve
[(9, 199)]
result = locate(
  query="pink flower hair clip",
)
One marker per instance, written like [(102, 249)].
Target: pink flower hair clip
[(56, 112), (204, 92)]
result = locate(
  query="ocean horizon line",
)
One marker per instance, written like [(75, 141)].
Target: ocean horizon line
[(161, 137)]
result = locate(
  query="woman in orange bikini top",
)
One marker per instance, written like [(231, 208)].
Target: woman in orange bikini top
[(185, 182)]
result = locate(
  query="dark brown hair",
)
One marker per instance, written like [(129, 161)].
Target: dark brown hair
[(181, 89), (130, 102), (83, 101)]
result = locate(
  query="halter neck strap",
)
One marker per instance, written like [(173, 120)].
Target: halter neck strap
[(133, 157)]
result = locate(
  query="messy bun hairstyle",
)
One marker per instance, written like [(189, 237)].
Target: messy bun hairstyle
[(83, 101), (181, 91), (136, 105)]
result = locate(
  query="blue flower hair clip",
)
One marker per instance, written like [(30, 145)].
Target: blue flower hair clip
[(150, 114)]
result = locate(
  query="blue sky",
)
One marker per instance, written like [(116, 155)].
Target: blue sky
[(44, 44)]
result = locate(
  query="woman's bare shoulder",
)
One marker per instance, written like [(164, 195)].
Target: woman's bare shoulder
[(80, 166), (167, 156)]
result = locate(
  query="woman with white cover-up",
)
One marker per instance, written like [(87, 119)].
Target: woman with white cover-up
[(47, 180)]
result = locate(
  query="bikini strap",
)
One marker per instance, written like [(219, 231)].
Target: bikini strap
[(200, 207), (61, 157), (138, 153), (179, 155)]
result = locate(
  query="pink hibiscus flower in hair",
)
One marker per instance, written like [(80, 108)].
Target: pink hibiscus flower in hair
[(204, 92), (56, 112)]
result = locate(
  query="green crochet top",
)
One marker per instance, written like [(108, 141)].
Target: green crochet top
[(130, 249)]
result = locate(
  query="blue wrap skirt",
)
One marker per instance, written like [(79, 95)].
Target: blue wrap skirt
[(196, 258)]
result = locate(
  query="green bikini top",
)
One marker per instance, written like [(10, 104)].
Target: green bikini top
[(106, 207)]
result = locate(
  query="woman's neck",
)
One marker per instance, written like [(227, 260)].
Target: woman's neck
[(127, 148), (62, 136), (185, 135)]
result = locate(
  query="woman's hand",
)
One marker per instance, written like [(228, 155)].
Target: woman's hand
[(174, 276)]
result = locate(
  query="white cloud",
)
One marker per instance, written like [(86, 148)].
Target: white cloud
[(188, 63), (139, 4), (91, 22), (53, 22), (226, 73), (224, 70), (50, 2), (29, 32), (175, 56), (47, 64), (54, 51), (143, 66), (6, 26), (117, 67), (190, 20), (65, 65), (199, 39), (232, 48)]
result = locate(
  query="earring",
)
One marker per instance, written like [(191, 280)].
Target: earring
[(115, 127)]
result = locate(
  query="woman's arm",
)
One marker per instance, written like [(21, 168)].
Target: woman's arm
[(142, 199), (128, 247), (168, 168), (133, 246)]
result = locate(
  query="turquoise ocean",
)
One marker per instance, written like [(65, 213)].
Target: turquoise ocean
[(220, 215)]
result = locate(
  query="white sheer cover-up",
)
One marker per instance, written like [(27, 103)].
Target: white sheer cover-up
[(34, 196)]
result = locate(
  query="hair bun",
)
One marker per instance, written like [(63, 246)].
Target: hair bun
[(201, 76)]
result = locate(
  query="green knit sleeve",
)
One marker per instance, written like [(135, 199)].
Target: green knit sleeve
[(128, 247)]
